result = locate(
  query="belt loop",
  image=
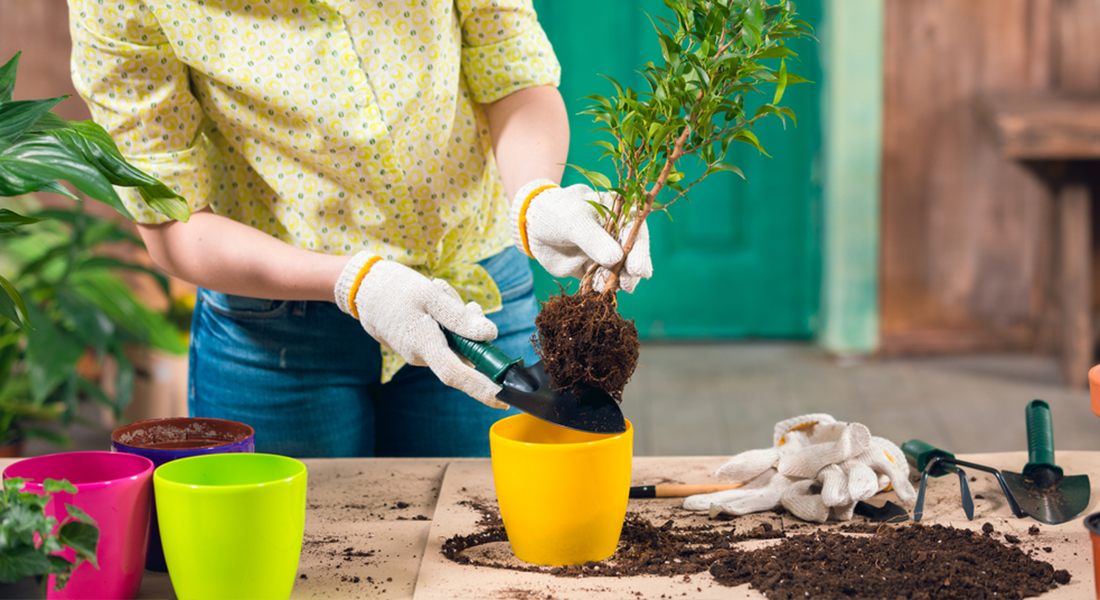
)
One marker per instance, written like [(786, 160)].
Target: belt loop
[(300, 308)]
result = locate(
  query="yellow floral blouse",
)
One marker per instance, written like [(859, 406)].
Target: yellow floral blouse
[(335, 125)]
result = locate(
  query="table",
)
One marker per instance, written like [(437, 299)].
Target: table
[(1059, 136), (375, 527)]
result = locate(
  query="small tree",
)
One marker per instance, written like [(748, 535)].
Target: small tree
[(716, 52)]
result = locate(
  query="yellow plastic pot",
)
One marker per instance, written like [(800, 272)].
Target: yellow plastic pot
[(231, 524), (562, 493)]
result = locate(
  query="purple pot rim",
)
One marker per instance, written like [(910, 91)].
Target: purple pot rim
[(114, 441), (32, 484), (130, 449)]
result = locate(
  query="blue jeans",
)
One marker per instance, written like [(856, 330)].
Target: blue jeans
[(305, 376)]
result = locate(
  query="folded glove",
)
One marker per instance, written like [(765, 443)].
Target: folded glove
[(818, 467), (836, 489), (560, 228), (404, 310)]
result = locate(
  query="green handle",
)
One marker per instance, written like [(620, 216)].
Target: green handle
[(1040, 437), (921, 453), (487, 358)]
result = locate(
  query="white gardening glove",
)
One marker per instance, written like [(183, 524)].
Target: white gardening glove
[(838, 487), (560, 229), (404, 310), (761, 493), (800, 445)]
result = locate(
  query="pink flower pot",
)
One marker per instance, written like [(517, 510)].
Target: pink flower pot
[(116, 490)]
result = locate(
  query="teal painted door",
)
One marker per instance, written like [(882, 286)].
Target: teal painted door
[(741, 259)]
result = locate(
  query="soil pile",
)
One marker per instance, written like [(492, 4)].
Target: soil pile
[(914, 561), (911, 561)]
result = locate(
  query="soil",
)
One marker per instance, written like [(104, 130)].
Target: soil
[(585, 343), (178, 436), (909, 561)]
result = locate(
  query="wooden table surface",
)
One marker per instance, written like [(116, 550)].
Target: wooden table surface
[(374, 529)]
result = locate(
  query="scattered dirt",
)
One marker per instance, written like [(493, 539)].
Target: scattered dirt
[(584, 342), (910, 561), (856, 560)]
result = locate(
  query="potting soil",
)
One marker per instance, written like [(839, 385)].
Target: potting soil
[(859, 560)]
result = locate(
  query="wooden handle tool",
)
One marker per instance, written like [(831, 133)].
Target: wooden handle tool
[(680, 490)]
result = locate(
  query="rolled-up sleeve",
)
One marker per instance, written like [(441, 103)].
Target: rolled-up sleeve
[(504, 49), (139, 91)]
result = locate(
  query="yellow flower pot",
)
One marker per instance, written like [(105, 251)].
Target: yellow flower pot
[(562, 493)]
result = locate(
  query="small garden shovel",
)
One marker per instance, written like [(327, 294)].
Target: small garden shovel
[(530, 389), (1042, 490)]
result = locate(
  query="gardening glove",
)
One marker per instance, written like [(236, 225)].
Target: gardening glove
[(561, 229), (404, 310), (838, 487), (802, 446), (761, 493)]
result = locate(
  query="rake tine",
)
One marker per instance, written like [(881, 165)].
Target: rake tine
[(964, 490), (1012, 504)]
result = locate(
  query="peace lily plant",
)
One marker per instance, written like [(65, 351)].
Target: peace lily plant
[(60, 298), (716, 54)]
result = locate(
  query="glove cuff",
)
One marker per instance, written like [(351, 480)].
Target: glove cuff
[(518, 211), (347, 286)]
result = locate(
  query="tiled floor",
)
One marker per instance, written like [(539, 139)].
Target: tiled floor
[(720, 399)]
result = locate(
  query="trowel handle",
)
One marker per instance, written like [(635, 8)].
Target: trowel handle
[(487, 358), (921, 453), (1040, 437)]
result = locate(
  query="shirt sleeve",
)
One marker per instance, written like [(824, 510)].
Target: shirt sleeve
[(124, 68), (504, 49)]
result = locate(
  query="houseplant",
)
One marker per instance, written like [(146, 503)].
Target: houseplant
[(717, 55), (63, 301), (28, 539)]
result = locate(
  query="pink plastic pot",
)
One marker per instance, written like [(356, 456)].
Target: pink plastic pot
[(116, 490)]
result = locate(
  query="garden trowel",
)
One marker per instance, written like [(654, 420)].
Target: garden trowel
[(531, 390), (1043, 490)]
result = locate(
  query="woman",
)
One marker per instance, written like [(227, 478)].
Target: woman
[(349, 151)]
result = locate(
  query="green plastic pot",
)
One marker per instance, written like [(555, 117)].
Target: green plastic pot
[(231, 524)]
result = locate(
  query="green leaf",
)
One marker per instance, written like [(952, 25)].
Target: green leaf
[(781, 82), (107, 262), (22, 562), (78, 514), (11, 304), (118, 302), (52, 354), (29, 164), (598, 180), (7, 78), (47, 122), (603, 210), (165, 202), (750, 138), (18, 116), (719, 167), (10, 220), (81, 537), (52, 486)]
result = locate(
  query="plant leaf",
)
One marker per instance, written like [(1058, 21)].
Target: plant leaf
[(42, 159), (7, 78), (10, 220), (52, 486), (11, 304), (719, 167), (21, 562), (598, 180), (51, 354), (16, 117), (81, 537), (78, 514), (781, 82)]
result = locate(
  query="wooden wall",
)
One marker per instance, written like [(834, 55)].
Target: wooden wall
[(966, 260)]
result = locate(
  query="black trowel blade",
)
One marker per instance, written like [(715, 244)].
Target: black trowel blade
[(529, 389)]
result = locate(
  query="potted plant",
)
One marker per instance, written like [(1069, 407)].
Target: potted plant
[(28, 540), (717, 53), (63, 302)]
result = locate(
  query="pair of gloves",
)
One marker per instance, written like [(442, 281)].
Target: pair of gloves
[(403, 309), (818, 468)]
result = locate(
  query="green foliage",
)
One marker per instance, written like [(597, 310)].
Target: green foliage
[(716, 52), (63, 299), (27, 537)]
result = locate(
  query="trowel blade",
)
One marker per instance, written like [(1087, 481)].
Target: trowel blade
[(1054, 504), (529, 389)]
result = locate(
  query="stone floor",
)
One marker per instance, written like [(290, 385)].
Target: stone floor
[(720, 399)]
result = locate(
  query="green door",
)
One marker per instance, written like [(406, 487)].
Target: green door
[(741, 259)]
